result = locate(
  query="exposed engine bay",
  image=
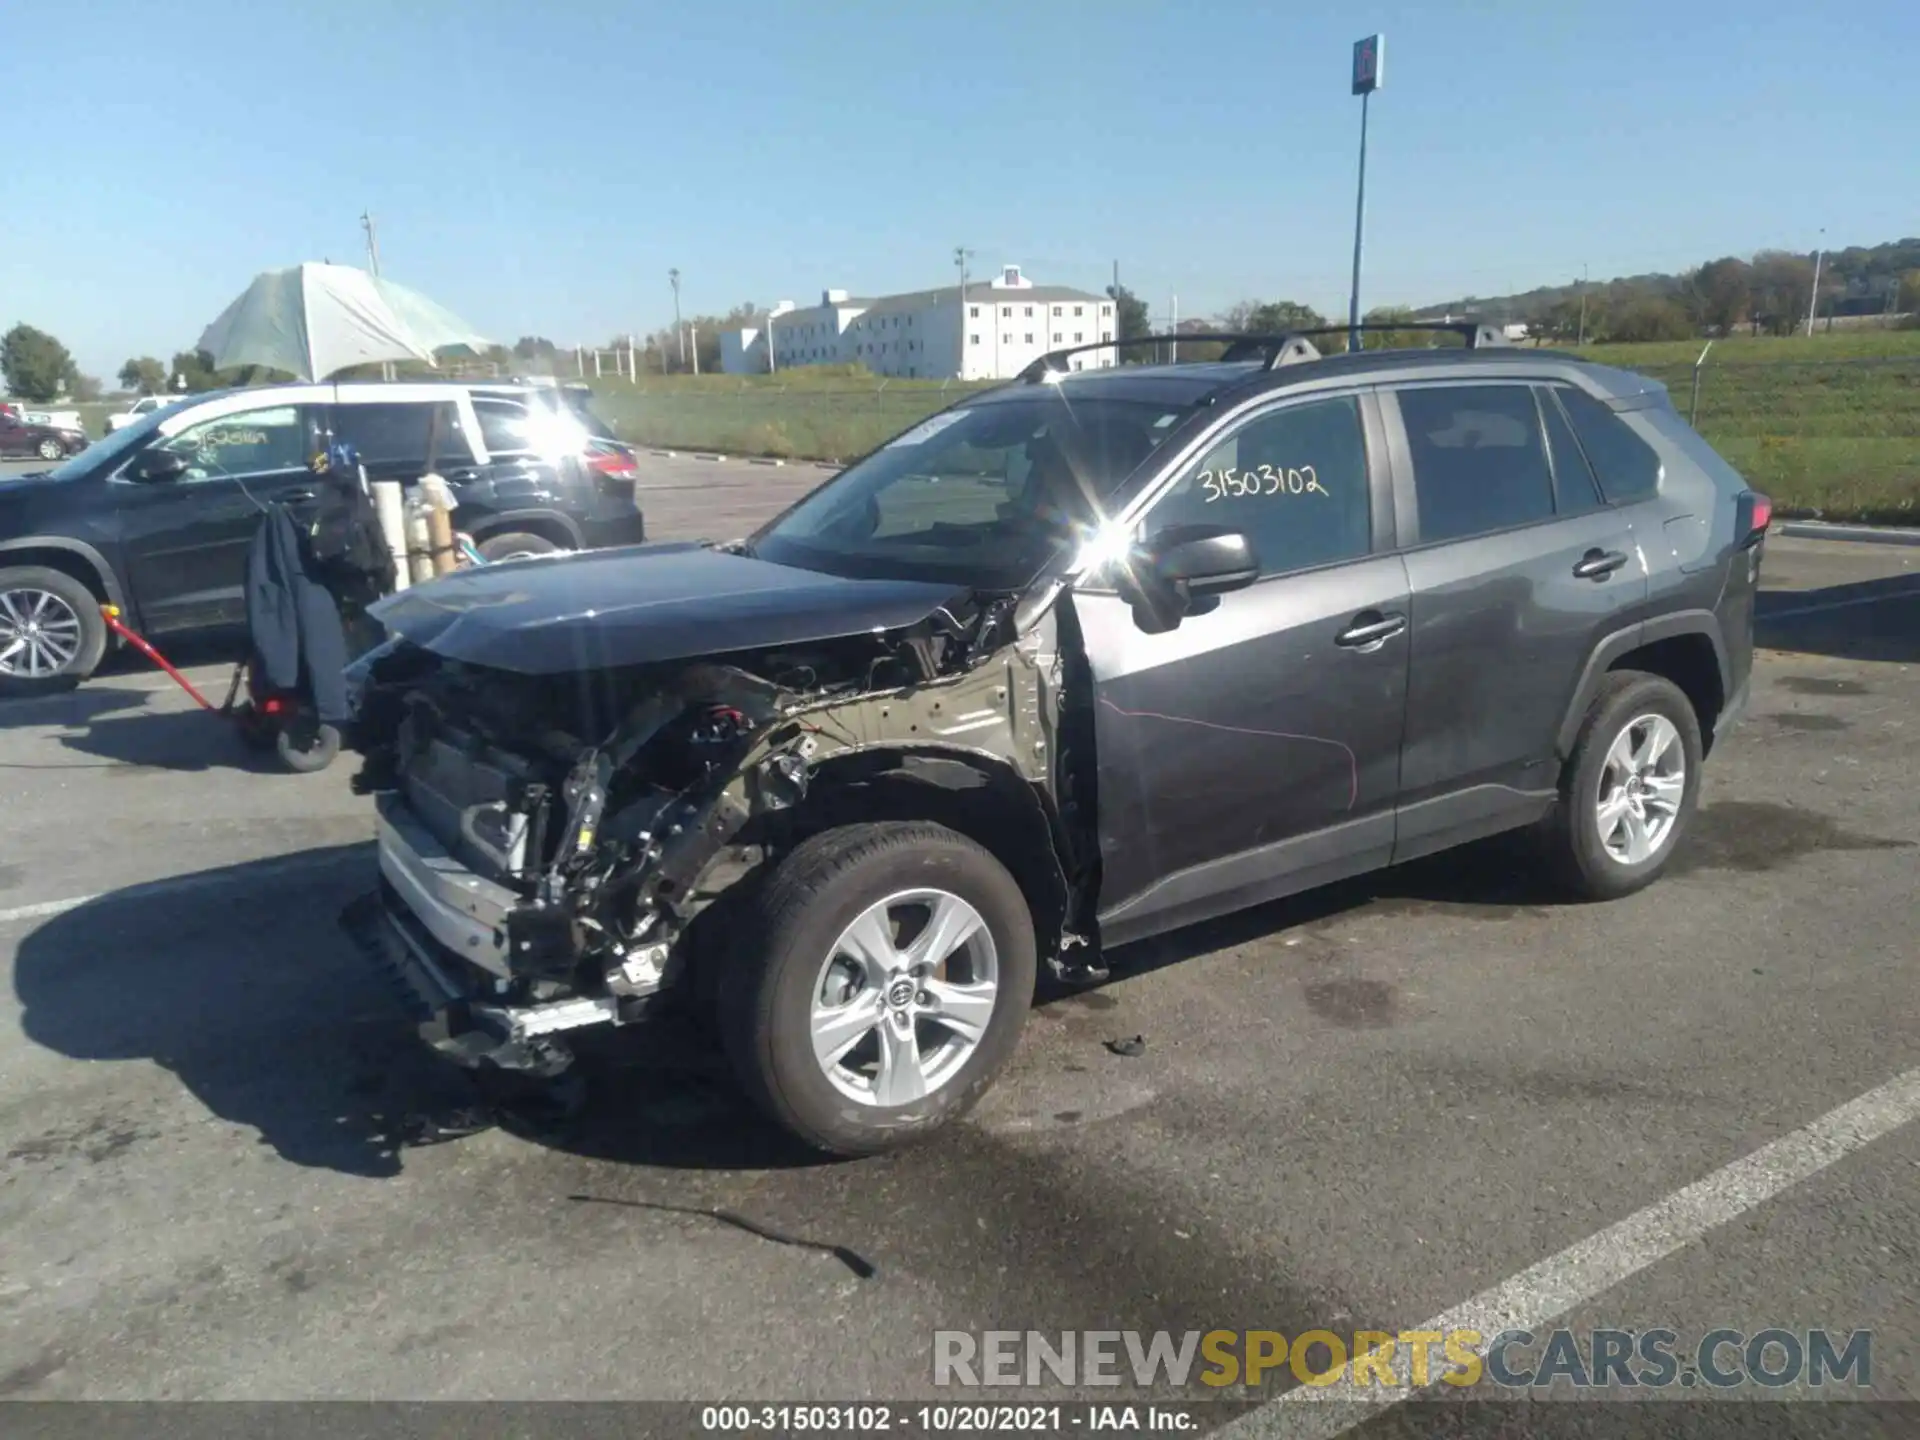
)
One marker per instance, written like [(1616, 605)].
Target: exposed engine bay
[(548, 842)]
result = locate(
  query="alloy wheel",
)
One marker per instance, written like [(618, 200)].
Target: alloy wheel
[(1642, 784), (39, 634), (51, 450), (904, 997)]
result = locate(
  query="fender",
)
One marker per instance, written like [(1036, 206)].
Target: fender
[(1632, 637), (96, 562)]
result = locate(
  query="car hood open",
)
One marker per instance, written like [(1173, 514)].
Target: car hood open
[(641, 605)]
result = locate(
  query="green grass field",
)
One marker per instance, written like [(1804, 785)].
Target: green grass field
[(1829, 425)]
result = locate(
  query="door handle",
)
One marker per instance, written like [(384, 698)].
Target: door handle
[(1599, 564), (297, 497), (1370, 630)]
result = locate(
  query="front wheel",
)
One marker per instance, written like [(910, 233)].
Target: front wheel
[(1629, 790), (879, 985), (51, 633), (51, 449), (304, 745)]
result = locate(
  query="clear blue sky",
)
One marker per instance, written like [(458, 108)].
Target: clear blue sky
[(538, 167)]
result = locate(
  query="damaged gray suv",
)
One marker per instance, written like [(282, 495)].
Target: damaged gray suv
[(1082, 659)]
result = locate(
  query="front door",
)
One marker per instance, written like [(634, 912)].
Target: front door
[(186, 539), (1518, 568), (1254, 750)]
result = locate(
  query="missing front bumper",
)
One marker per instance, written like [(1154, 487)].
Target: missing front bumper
[(455, 1016)]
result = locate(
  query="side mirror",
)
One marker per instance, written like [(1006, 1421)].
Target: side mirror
[(1179, 570), (153, 467)]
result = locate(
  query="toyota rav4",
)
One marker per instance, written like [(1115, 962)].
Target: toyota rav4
[(1076, 661)]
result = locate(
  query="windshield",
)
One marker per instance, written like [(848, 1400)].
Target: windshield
[(982, 495), (103, 455)]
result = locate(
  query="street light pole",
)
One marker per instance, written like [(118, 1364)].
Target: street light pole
[(673, 278), (1813, 304), (1369, 60), (960, 255)]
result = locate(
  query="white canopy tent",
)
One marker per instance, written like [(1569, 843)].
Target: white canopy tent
[(314, 320)]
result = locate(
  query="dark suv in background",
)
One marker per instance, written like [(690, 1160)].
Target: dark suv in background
[(1076, 661), (157, 517)]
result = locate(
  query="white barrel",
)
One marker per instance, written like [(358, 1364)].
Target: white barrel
[(391, 507)]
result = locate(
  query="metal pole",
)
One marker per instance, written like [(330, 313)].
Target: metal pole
[(373, 264), (673, 277), (1693, 409), (960, 253), (1359, 231), (1583, 306), (770, 360), (1176, 326), (1813, 303), (694, 334)]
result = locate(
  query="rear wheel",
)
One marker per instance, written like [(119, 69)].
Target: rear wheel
[(51, 449), (1629, 790), (517, 545), (51, 633), (879, 985)]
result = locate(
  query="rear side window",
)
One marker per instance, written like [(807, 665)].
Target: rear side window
[(1626, 466), (1574, 490), (398, 434), (503, 425), (1479, 459)]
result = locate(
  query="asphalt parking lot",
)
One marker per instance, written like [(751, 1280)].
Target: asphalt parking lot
[(1354, 1110)]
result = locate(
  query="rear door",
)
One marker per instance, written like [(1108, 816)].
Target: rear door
[(393, 432), (1518, 567), (186, 539)]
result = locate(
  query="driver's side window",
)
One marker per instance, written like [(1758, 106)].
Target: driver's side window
[(252, 442), (1293, 480)]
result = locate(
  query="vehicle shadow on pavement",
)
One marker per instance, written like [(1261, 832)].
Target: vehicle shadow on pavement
[(1865, 620), (70, 709), (241, 984), (188, 740)]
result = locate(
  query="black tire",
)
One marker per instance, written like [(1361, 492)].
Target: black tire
[(305, 746), (86, 610), (51, 449), (516, 544), (786, 937), (1578, 858)]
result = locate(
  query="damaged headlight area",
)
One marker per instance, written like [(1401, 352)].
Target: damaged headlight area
[(547, 840)]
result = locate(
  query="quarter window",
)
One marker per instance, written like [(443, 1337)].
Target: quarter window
[(1293, 481), (253, 442), (1626, 466), (1479, 461)]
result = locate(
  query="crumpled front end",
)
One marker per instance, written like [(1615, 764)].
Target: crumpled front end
[(547, 844)]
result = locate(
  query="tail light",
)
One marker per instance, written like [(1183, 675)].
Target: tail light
[(1752, 516), (610, 464)]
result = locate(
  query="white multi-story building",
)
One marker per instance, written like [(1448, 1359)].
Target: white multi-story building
[(1001, 326)]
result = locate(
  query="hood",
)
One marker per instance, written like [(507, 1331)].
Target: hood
[(642, 605)]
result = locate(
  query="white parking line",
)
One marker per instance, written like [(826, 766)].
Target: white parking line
[(1585, 1269), (260, 870)]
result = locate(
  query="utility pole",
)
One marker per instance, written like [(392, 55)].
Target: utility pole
[(1813, 304), (1176, 328), (770, 367), (960, 257), (373, 264), (673, 278), (1369, 64), (1583, 306)]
